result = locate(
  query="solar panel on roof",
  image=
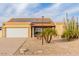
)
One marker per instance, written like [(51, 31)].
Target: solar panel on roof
[(30, 20)]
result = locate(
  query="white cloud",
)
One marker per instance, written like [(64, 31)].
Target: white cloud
[(54, 12), (20, 8), (17, 8), (72, 10), (49, 12), (27, 11)]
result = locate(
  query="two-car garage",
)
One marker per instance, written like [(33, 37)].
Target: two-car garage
[(16, 30), (16, 33)]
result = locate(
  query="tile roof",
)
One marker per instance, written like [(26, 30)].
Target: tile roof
[(43, 24)]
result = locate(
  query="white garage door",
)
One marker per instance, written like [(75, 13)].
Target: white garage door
[(17, 32)]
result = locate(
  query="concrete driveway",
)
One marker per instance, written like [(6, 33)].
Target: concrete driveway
[(8, 46)]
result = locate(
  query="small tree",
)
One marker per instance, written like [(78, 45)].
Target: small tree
[(48, 33)]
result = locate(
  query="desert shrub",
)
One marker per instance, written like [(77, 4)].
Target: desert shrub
[(71, 30)]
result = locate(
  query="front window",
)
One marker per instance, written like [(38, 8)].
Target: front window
[(37, 31)]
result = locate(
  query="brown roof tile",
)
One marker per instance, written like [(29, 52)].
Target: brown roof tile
[(43, 24)]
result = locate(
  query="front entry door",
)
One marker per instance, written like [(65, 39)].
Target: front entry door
[(37, 31)]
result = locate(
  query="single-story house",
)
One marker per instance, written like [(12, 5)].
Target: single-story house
[(25, 27)]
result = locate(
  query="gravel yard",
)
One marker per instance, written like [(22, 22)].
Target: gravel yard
[(9, 46), (56, 48)]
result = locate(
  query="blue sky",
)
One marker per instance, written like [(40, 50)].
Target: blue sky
[(55, 11)]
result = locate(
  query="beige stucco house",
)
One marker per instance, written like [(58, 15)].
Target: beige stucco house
[(59, 28), (25, 27)]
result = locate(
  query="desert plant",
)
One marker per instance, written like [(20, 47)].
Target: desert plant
[(71, 31), (47, 34)]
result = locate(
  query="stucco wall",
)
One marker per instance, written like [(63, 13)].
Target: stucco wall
[(0, 33), (59, 28)]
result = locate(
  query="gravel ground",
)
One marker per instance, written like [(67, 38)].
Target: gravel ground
[(9, 46), (56, 48)]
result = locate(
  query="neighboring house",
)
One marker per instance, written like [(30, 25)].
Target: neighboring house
[(25, 27), (59, 28)]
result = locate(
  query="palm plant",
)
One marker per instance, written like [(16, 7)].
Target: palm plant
[(48, 33)]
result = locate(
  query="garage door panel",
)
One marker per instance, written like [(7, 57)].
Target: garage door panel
[(17, 32)]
